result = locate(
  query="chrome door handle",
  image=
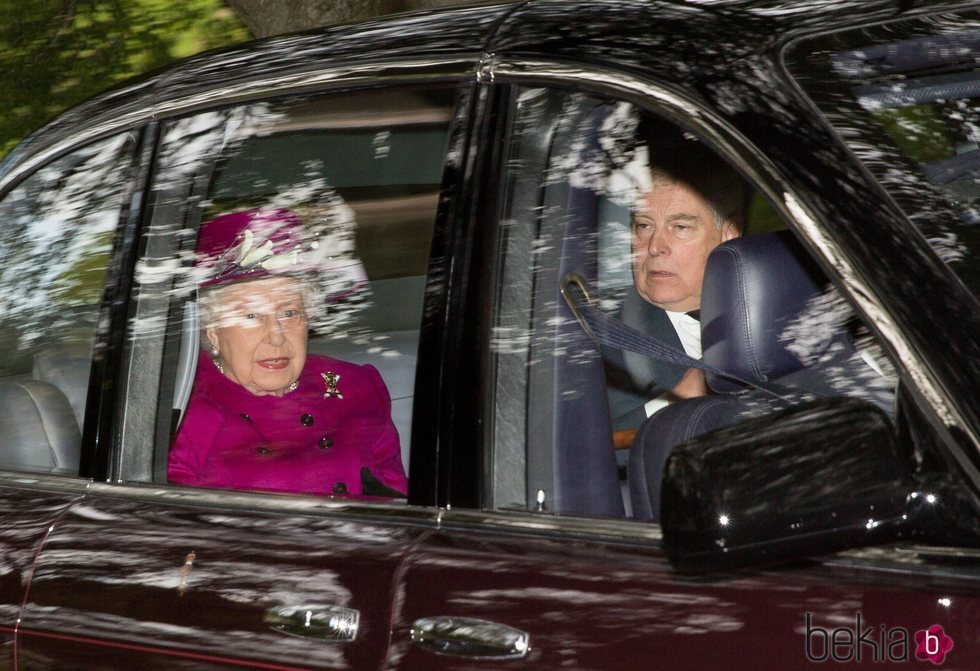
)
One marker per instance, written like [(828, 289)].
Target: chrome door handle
[(328, 623), (469, 637)]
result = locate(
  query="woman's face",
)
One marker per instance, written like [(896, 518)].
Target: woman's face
[(260, 334)]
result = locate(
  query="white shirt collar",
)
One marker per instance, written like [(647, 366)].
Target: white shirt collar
[(688, 330)]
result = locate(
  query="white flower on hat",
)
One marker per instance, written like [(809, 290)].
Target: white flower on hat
[(265, 257), (248, 257), (280, 261)]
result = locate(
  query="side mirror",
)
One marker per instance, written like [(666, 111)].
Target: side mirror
[(816, 478)]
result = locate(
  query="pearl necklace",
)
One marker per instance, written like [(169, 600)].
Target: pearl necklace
[(221, 369)]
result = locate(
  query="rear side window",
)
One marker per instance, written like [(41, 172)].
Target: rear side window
[(59, 228), (335, 198)]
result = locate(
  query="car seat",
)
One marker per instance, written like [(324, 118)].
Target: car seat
[(41, 414), (753, 287), (67, 367), (571, 460), (38, 428)]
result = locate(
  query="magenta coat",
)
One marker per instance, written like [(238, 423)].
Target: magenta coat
[(321, 438)]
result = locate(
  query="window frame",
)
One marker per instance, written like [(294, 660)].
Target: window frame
[(465, 216), (98, 425), (137, 421), (790, 202)]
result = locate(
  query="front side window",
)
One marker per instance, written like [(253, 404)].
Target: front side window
[(647, 296), (284, 281), (59, 227)]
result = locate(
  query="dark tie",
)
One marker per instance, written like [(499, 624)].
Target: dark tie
[(694, 314)]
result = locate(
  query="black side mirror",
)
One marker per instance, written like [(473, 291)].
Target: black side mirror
[(816, 478)]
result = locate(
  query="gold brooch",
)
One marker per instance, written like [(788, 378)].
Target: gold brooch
[(330, 381)]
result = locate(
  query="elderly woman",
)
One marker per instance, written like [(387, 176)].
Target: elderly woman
[(263, 414)]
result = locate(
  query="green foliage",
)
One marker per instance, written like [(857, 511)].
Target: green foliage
[(919, 131), (761, 218), (56, 53)]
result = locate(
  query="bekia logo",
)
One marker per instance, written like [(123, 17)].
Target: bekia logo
[(865, 643), (932, 644)]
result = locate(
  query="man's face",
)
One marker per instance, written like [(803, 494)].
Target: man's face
[(674, 230)]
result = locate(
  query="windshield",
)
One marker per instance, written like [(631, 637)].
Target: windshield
[(906, 98)]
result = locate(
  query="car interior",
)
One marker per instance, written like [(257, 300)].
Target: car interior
[(385, 171), (42, 409), (54, 277), (38, 423), (769, 317)]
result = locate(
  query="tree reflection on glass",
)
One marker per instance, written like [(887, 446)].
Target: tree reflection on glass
[(59, 229)]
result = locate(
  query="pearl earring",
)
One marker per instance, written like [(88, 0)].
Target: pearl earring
[(217, 360)]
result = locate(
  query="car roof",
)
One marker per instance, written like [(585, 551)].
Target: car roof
[(454, 33), (693, 40), (686, 38)]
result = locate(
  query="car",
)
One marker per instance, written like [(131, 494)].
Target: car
[(820, 505)]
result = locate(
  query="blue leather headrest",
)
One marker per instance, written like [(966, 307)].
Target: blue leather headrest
[(753, 286)]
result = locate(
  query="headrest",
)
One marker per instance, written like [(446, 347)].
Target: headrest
[(38, 431), (753, 287), (67, 367)]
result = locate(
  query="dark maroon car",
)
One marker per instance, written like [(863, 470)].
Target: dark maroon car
[(820, 505)]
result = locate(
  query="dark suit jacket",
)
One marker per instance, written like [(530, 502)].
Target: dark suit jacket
[(633, 379)]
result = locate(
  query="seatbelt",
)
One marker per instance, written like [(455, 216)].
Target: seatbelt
[(605, 329)]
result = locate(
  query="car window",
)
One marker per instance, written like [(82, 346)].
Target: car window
[(59, 227), (906, 98), (609, 206), (334, 195)]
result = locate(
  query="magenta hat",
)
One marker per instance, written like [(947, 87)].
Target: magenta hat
[(249, 245)]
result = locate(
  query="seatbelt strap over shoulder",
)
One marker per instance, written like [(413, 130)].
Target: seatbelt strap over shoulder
[(604, 329)]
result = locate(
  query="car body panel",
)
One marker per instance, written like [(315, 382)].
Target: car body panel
[(29, 513), (125, 583), (591, 605), (162, 577)]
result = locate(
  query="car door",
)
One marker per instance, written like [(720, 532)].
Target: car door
[(180, 586), (481, 593), (28, 515), (544, 566), (139, 573)]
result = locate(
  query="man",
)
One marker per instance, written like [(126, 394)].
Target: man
[(693, 202)]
